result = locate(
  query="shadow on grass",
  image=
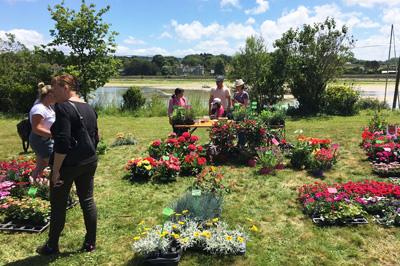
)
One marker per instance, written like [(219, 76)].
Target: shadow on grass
[(40, 260)]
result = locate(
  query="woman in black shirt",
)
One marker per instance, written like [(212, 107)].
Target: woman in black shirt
[(74, 160)]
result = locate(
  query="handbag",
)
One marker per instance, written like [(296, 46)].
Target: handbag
[(84, 141)]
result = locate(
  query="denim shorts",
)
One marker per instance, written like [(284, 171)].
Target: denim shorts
[(43, 147)]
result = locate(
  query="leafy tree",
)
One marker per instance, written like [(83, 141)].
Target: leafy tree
[(372, 65), (138, 66), (263, 72), (192, 60), (219, 67), (158, 60), (316, 54), (90, 41), (20, 72)]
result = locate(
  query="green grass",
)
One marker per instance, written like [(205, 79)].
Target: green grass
[(286, 237)]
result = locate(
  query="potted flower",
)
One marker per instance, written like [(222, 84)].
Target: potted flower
[(168, 168), (268, 158), (31, 211), (141, 169), (192, 164), (322, 160), (156, 149)]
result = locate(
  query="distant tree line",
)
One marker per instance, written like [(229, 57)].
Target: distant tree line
[(169, 65)]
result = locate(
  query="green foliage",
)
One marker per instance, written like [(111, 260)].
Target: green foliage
[(90, 41), (133, 99), (271, 117), (315, 54), (20, 72), (182, 115), (263, 72), (341, 100), (102, 147), (29, 210), (300, 155), (371, 103), (204, 207), (138, 66), (377, 123)]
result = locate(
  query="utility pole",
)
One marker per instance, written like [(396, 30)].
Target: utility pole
[(396, 88), (387, 69)]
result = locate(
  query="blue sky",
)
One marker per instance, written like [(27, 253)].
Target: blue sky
[(180, 27)]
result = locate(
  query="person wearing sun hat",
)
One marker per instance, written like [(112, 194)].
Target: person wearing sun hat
[(241, 96), (221, 92)]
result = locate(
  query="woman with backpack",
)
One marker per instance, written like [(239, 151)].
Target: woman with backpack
[(74, 160), (41, 117)]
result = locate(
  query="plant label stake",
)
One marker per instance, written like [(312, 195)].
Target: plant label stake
[(196, 192), (32, 192), (167, 212)]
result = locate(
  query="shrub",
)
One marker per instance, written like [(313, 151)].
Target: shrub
[(133, 99), (272, 118), (371, 103), (341, 100)]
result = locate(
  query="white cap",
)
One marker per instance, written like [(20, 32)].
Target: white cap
[(216, 100)]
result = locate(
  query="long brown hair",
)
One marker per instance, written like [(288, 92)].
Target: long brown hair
[(66, 79)]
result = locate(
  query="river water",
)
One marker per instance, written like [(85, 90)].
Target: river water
[(112, 96)]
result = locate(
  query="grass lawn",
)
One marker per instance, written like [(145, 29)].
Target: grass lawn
[(286, 236)]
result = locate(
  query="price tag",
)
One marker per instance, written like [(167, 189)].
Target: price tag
[(168, 212), (332, 190), (32, 191), (196, 192), (275, 142)]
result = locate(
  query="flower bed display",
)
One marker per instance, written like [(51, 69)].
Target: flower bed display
[(342, 203), (24, 201), (169, 158)]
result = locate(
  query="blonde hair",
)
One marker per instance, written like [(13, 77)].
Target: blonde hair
[(43, 90), (66, 79)]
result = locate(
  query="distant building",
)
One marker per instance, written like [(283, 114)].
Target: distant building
[(190, 70), (389, 72)]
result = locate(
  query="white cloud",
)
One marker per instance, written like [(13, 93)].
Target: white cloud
[(262, 7), (391, 16), (29, 38), (272, 30), (250, 21), (165, 35), (226, 3), (214, 46), (197, 31), (372, 3), (133, 41)]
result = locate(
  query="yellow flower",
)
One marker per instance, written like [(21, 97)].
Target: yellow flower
[(254, 228), (144, 233), (196, 234), (240, 239), (139, 163), (181, 223), (178, 214), (215, 220), (147, 167), (249, 219), (228, 237), (176, 236), (120, 135), (185, 240), (213, 168), (141, 222), (209, 224), (146, 229), (174, 226), (206, 234), (185, 211), (164, 234), (136, 238), (146, 162)]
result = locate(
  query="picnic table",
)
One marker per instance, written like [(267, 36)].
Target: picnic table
[(200, 124)]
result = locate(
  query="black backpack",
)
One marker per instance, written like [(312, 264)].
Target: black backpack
[(24, 129)]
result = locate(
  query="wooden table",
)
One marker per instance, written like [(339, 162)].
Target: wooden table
[(207, 124)]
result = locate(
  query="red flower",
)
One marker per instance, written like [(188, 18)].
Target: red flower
[(201, 161), (199, 148), (181, 139), (186, 135), (156, 143), (192, 147), (193, 139)]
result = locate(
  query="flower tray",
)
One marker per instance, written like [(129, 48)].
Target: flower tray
[(17, 227), (12, 226), (354, 221), (169, 258)]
